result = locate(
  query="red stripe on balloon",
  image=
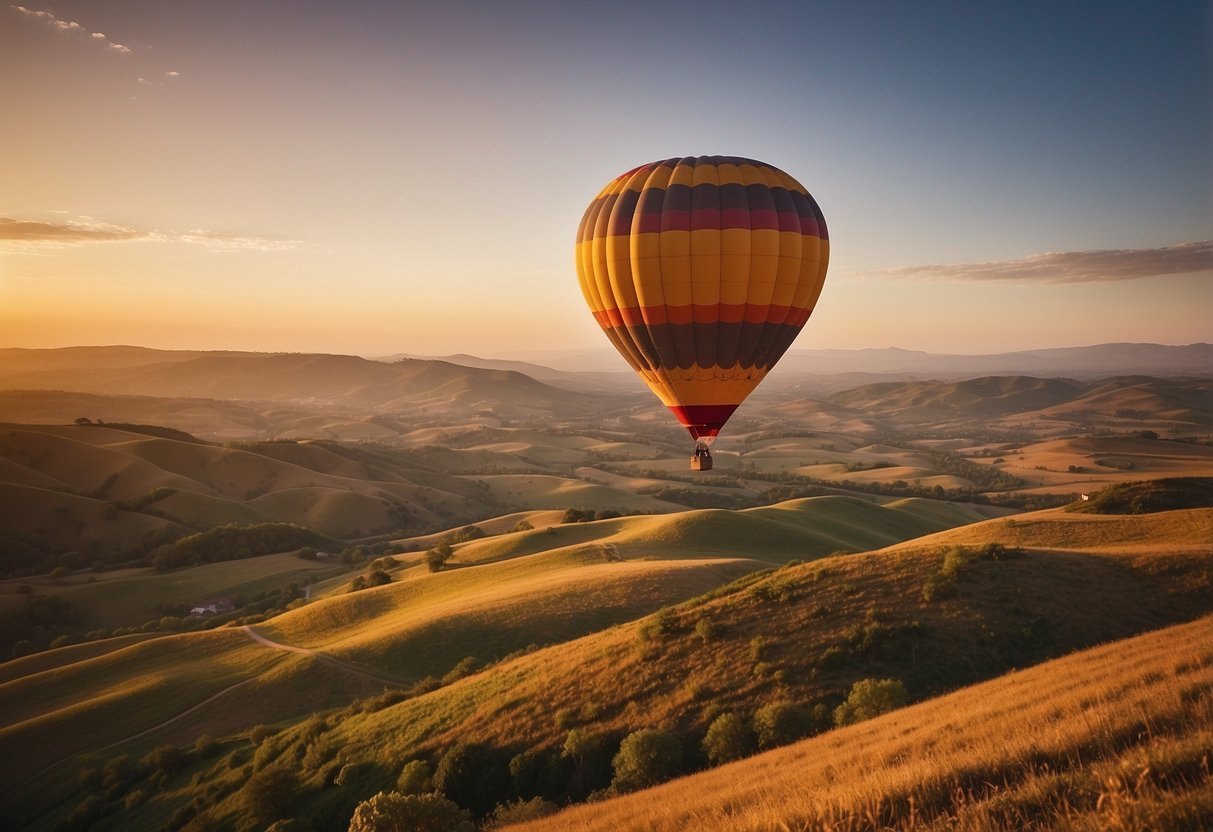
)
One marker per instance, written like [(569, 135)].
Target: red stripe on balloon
[(703, 419)]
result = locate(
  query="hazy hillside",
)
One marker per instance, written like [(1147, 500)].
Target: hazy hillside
[(801, 365), (1097, 361), (622, 380), (1130, 399), (316, 380)]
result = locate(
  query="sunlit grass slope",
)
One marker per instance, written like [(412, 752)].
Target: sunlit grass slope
[(1060, 529), (821, 626), (85, 705), (426, 623), (803, 528), (1115, 737), (803, 633)]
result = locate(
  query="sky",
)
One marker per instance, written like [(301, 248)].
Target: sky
[(395, 177)]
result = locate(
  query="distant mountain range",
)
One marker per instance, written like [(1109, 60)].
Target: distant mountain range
[(916, 386), (1097, 361), (316, 380)]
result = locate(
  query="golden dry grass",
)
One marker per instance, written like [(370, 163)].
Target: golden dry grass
[(1059, 529), (1117, 737), (869, 608)]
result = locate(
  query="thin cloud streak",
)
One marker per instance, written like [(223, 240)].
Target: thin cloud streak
[(71, 26), (26, 235), (1096, 266)]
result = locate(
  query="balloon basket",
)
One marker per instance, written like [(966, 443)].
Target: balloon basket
[(701, 460)]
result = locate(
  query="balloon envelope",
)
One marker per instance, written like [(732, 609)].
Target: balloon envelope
[(702, 271)]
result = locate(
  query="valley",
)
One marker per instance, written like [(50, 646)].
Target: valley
[(311, 575)]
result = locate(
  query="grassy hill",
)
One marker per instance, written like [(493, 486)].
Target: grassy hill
[(929, 612), (1115, 737)]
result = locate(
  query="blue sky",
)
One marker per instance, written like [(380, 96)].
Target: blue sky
[(385, 177)]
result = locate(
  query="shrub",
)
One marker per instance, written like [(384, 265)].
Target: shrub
[(347, 774), (271, 794), (523, 525), (437, 556), (259, 734), (520, 811), (466, 667), (466, 533), (869, 698), (163, 759), (473, 776), (378, 577), (415, 778), (645, 758), (707, 629), (780, 723), (667, 621), (527, 772), (590, 766), (205, 746), (390, 811), (956, 562), (117, 774), (727, 739)]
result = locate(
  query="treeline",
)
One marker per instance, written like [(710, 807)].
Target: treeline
[(32, 625), (158, 431), (233, 542), (301, 772), (1149, 496), (22, 554)]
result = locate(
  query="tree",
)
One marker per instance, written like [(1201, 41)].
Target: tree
[(780, 723), (437, 556), (530, 773), (395, 812), (473, 776), (271, 794), (520, 811), (415, 778), (378, 578), (645, 758), (582, 748), (727, 739), (869, 698)]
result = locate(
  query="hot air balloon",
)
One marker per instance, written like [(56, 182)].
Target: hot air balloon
[(701, 271)]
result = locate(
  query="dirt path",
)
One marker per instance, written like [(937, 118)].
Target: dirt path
[(324, 657), (260, 639)]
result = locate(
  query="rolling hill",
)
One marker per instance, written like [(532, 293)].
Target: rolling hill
[(313, 380), (938, 613), (1115, 737)]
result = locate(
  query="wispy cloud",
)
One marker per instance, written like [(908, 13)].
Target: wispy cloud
[(30, 235), (1099, 265), (70, 26), (230, 241)]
